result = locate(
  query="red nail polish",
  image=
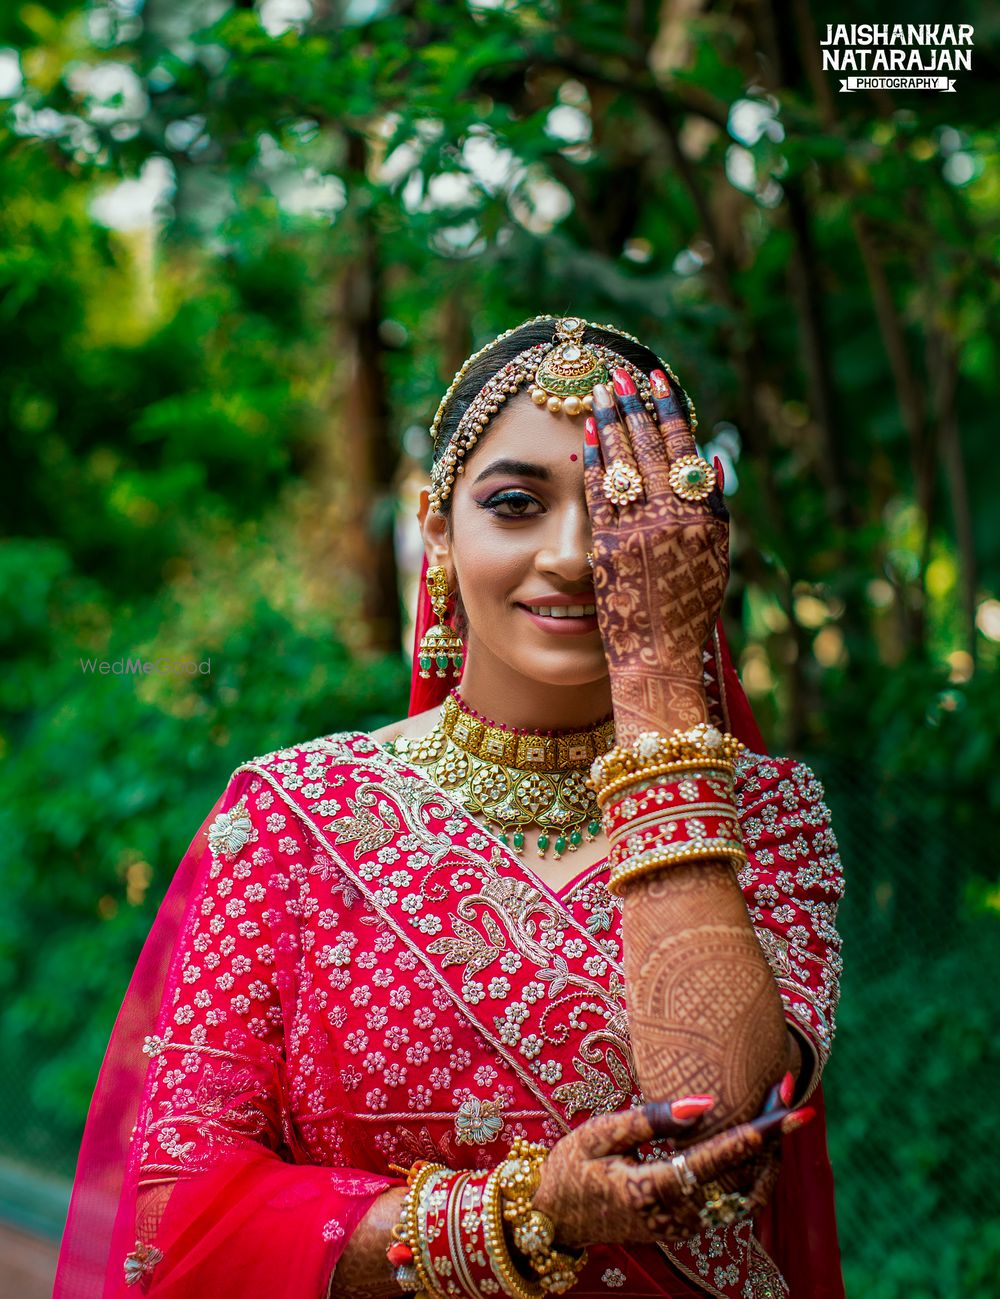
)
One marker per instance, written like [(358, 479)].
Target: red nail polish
[(590, 431), (787, 1090), (720, 474), (658, 382), (797, 1119), (690, 1107), (624, 386)]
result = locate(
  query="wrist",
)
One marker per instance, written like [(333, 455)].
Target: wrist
[(662, 703)]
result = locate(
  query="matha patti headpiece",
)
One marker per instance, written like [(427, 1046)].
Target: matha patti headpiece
[(561, 375)]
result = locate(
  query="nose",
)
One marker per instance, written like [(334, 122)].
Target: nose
[(567, 538)]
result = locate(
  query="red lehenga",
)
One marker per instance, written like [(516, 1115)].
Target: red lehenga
[(349, 971)]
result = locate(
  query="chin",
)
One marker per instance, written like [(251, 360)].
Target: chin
[(564, 667)]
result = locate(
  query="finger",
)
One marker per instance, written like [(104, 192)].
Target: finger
[(671, 413), (647, 444), (775, 1098), (717, 501), (615, 446), (715, 1156), (602, 513), (614, 1134), (767, 1175), (665, 1117)]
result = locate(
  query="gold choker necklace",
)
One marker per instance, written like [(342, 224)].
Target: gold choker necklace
[(512, 779)]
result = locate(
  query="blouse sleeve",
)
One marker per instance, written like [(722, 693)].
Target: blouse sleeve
[(792, 883), (227, 1205)]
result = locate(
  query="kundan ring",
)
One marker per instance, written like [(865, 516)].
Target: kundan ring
[(692, 478), (590, 558), (622, 483), (721, 1208), (685, 1176)]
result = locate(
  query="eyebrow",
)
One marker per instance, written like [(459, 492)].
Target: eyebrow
[(516, 468)]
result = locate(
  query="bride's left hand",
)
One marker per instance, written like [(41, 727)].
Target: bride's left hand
[(661, 562)]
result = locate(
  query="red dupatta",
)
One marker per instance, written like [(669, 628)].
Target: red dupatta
[(799, 1226)]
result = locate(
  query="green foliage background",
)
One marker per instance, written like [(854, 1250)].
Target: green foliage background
[(240, 257)]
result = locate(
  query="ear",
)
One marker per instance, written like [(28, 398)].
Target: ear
[(434, 530)]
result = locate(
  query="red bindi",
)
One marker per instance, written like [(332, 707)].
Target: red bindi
[(572, 455)]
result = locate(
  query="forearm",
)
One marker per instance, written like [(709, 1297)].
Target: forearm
[(705, 1016), (704, 1011), (362, 1271)]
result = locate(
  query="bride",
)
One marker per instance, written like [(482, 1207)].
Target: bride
[(526, 991)]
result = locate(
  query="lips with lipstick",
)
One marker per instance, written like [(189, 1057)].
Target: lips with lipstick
[(561, 613)]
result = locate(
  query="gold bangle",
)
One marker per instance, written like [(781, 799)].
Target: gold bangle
[(650, 749), (511, 1281), (702, 850), (519, 1177), (417, 1178), (679, 767)]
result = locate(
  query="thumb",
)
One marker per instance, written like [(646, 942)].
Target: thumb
[(614, 1134)]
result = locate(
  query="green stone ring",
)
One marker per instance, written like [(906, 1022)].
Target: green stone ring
[(692, 478)]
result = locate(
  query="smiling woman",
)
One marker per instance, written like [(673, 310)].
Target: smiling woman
[(557, 949)]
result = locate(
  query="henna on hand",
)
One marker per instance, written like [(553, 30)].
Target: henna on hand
[(594, 1188), (660, 566)]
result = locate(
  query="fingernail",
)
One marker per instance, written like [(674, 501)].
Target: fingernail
[(602, 398), (590, 431), (720, 473), (658, 382), (624, 386), (788, 1082), (690, 1107), (797, 1119)]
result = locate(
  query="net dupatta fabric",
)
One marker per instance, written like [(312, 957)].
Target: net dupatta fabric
[(247, 1218), (799, 1226)]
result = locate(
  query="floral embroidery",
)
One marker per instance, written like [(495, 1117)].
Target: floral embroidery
[(478, 1122), (230, 832), (290, 962)]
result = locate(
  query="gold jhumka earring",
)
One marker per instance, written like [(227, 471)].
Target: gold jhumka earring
[(441, 646)]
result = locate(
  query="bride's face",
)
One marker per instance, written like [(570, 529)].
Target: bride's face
[(517, 548)]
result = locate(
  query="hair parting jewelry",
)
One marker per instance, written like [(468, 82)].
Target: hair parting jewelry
[(560, 376)]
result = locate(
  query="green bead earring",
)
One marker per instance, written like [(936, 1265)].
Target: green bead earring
[(441, 647)]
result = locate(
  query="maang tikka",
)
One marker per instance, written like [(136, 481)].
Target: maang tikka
[(441, 647)]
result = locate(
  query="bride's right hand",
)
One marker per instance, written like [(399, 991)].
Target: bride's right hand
[(595, 1189)]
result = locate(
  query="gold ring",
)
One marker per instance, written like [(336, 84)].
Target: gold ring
[(590, 558), (721, 1208), (692, 478), (622, 484)]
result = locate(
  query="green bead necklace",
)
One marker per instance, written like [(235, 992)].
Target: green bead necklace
[(513, 779)]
